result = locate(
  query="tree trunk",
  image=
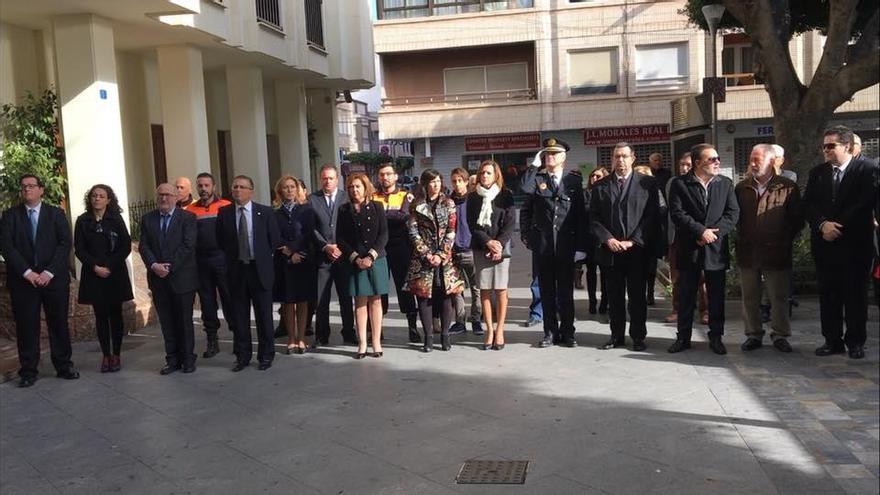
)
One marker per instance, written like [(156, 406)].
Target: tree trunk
[(800, 133)]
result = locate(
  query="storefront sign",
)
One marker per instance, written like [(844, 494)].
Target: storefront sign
[(763, 130), (507, 142), (631, 134)]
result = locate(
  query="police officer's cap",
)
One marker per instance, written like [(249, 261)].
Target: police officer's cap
[(553, 145)]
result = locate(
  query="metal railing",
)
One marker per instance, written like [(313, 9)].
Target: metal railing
[(396, 9), (269, 12), (314, 23), (136, 211), (462, 98), (740, 79)]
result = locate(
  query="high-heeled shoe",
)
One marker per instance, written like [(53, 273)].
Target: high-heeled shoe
[(377, 354), (486, 347), (360, 355), (105, 364), (445, 342), (115, 363), (498, 347), (290, 349)]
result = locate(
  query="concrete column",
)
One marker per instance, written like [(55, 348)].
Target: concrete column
[(89, 101), (293, 136), (322, 111), (247, 118), (184, 117)]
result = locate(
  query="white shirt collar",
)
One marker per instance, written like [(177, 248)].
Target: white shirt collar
[(843, 166), (625, 177), (247, 206), (36, 207)]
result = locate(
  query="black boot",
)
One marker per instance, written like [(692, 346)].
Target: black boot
[(213, 346), (445, 341), (428, 346), (414, 336)]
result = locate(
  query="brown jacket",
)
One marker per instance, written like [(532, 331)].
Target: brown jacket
[(767, 225)]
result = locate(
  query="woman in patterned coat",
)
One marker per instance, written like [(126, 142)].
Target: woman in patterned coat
[(432, 277)]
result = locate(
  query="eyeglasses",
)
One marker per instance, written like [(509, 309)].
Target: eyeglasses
[(713, 159), (25, 187), (829, 146), (241, 187)]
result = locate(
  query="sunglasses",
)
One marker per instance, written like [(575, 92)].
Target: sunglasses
[(829, 146), (713, 159)]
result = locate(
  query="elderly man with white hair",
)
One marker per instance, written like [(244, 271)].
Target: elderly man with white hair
[(779, 160)]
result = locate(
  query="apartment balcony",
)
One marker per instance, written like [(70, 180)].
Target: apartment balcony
[(458, 100)]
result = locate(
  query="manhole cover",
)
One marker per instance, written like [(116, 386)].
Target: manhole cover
[(493, 472)]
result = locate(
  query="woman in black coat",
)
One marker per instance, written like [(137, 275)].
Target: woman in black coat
[(102, 244), (491, 218), (296, 273), (590, 263)]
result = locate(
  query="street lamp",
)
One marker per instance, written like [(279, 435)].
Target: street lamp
[(713, 14)]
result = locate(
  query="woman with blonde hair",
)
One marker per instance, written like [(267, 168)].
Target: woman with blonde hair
[(361, 233), (296, 273), (491, 218)]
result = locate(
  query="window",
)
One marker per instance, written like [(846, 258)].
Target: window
[(593, 72), (661, 67), (314, 23), (737, 62), (404, 9), (483, 79), (269, 12)]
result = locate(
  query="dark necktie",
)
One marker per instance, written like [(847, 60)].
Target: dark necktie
[(835, 183), (163, 227), (244, 247), (554, 182)]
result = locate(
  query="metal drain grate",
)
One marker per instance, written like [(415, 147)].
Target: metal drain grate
[(492, 472)]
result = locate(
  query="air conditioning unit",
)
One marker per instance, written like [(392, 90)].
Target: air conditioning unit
[(689, 112)]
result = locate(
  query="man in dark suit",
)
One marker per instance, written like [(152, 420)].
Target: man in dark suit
[(35, 241), (553, 224), (839, 202), (704, 210), (168, 249), (626, 210), (331, 270), (249, 235)]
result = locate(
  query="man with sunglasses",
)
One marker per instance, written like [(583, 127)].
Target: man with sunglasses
[(704, 210), (840, 200)]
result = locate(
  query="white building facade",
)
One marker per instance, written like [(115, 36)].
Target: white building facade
[(150, 90), (474, 79)]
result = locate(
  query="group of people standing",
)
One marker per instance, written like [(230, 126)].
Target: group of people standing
[(245, 256)]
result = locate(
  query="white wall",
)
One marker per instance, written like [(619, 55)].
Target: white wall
[(19, 63)]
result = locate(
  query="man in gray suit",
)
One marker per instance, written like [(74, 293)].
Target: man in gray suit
[(331, 270), (167, 247)]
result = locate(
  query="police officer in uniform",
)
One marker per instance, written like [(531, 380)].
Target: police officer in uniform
[(554, 225)]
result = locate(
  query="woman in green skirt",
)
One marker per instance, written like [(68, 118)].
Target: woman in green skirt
[(362, 232)]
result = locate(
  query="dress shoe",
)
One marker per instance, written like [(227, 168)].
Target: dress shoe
[(414, 336), (569, 342), (189, 367), (169, 368), (105, 364), (639, 345), (856, 352), (612, 344), (679, 345), (829, 349), (546, 342), (27, 381), (349, 339), (457, 329), (717, 346), (751, 344), (280, 331), (498, 347), (115, 363), (264, 365), (239, 366), (532, 321), (477, 328), (603, 306), (650, 300), (68, 374), (782, 345)]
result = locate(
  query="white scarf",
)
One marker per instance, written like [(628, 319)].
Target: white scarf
[(485, 218)]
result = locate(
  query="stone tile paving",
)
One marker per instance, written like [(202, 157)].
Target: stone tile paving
[(589, 421)]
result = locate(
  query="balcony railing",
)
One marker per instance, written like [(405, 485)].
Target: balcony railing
[(269, 12), (314, 23), (463, 98), (403, 9), (742, 79)]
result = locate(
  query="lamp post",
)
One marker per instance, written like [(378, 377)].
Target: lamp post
[(713, 14)]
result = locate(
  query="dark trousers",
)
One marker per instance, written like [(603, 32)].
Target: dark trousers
[(213, 279), (556, 278), (651, 278), (627, 277), (246, 293), (843, 297), (592, 282), (109, 327), (536, 310), (398, 255), (439, 305), (687, 285), (26, 303), (328, 275), (176, 319)]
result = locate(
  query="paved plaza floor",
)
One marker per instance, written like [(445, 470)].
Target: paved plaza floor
[(589, 421)]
